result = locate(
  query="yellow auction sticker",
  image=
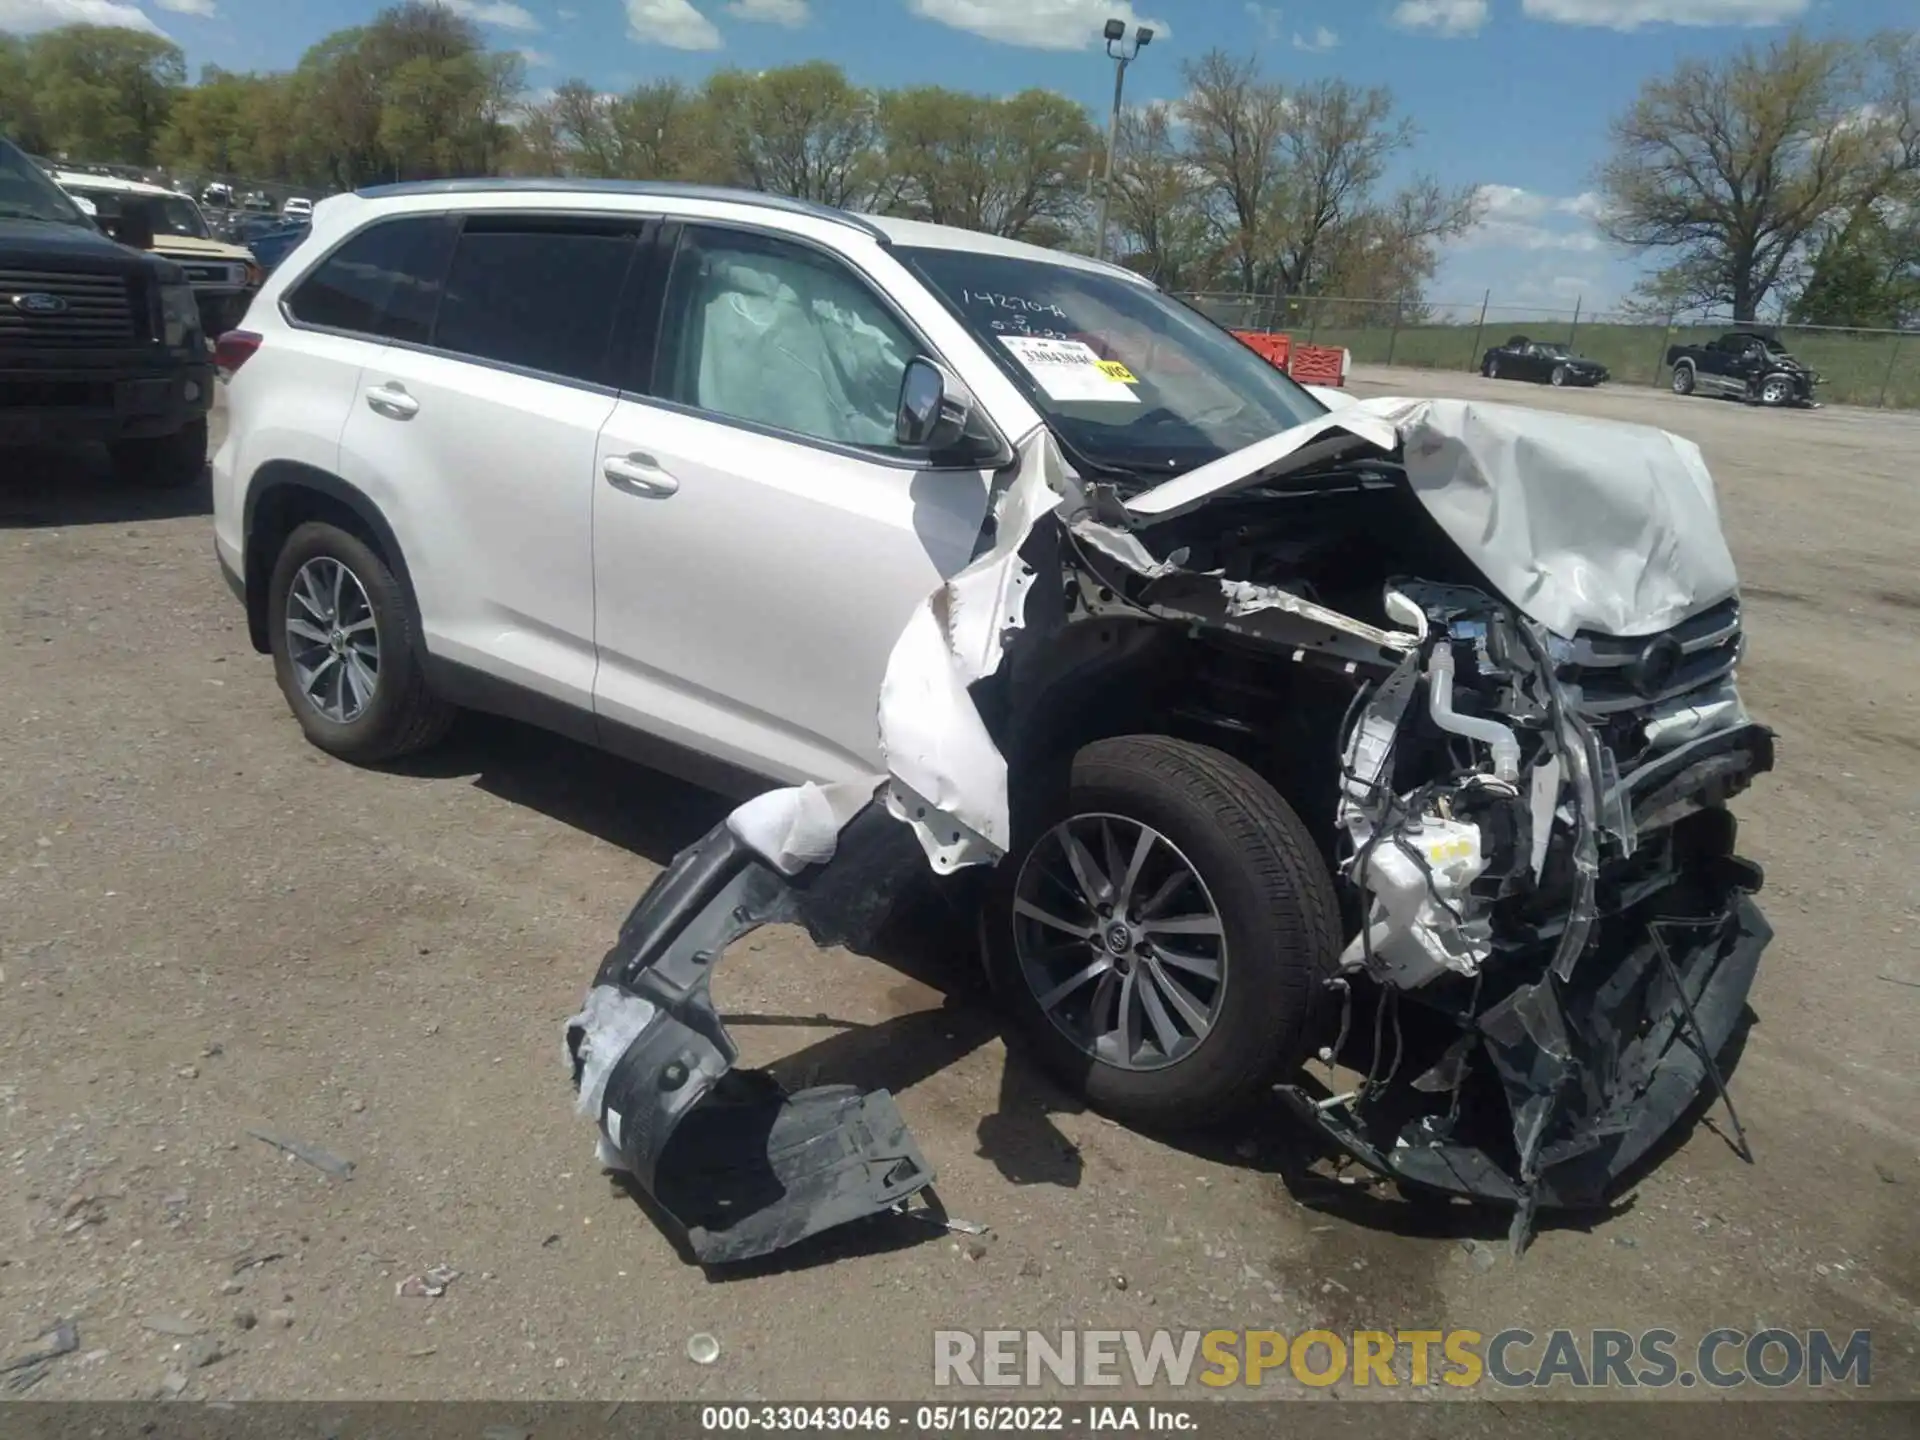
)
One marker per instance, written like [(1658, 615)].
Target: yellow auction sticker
[(1115, 370)]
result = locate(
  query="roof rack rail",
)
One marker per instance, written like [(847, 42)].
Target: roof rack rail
[(663, 189)]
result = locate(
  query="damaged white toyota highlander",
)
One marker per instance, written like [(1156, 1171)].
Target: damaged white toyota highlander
[(1399, 735)]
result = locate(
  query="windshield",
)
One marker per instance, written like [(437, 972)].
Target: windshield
[(1128, 379), (1546, 349), (27, 194), (172, 214)]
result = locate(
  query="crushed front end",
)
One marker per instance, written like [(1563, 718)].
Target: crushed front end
[(1559, 936)]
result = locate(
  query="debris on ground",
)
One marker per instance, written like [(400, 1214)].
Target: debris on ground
[(23, 1372), (173, 1382), (703, 1349), (320, 1159), (249, 1261), (428, 1286), (1482, 1257), (171, 1325), (205, 1351)]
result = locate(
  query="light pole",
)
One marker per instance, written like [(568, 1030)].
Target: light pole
[(1116, 34)]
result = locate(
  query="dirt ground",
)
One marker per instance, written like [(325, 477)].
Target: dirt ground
[(209, 928)]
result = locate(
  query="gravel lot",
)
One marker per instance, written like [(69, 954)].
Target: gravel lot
[(207, 928)]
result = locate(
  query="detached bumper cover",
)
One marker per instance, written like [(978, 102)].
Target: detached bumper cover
[(741, 1165), (1598, 1072)]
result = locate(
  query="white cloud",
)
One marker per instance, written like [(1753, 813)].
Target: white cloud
[(202, 8), (1632, 14), (500, 13), (26, 16), (1446, 18), (568, 15), (538, 58), (1266, 19), (791, 13), (1321, 41), (673, 23), (1526, 220), (1037, 24)]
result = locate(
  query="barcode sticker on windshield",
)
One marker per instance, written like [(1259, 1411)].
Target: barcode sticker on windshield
[(1069, 370)]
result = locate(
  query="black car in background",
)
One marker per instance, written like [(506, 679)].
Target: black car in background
[(100, 338), (1745, 365), (1541, 362)]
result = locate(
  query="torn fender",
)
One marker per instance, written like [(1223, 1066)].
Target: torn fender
[(741, 1165)]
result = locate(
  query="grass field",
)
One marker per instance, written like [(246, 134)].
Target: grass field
[(1875, 368), (1855, 368)]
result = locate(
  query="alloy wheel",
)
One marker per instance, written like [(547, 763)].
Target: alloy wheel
[(1775, 391), (1120, 941), (333, 640)]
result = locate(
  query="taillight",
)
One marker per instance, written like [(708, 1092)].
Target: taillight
[(234, 349)]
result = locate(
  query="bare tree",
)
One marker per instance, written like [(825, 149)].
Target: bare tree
[(1236, 123), (1731, 167), (1156, 199)]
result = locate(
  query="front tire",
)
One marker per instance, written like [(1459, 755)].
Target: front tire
[(164, 462), (344, 650), (1199, 985)]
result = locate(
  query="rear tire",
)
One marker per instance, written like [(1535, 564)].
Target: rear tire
[(1492, 369), (1559, 376), (1258, 873), (1683, 379), (164, 462), (333, 606)]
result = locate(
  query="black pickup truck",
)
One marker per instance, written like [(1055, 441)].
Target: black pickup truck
[(99, 339), (1743, 365)]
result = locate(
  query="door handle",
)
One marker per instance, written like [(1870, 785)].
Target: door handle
[(392, 401), (639, 475)]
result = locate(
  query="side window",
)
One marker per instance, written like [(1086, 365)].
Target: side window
[(780, 335), (536, 293), (384, 282)]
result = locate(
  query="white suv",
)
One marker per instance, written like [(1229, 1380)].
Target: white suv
[(632, 462)]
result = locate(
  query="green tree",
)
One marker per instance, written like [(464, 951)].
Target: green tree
[(103, 94), (1013, 167), (803, 130), (19, 117), (1732, 168)]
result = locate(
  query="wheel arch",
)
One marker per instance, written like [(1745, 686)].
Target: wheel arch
[(285, 494)]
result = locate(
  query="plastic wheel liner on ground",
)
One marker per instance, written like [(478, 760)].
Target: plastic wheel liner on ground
[(1532, 818)]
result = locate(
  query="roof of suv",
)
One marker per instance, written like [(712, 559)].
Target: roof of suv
[(885, 228)]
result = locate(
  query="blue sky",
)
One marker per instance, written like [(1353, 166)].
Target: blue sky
[(1513, 95)]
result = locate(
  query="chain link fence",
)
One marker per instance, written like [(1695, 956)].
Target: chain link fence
[(1857, 367)]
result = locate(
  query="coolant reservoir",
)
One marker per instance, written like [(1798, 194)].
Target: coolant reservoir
[(1413, 929)]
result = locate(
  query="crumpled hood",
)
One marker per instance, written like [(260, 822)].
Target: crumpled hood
[(1581, 524)]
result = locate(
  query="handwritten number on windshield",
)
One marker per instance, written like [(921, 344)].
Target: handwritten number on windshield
[(1018, 304)]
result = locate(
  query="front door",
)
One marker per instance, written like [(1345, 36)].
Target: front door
[(759, 542)]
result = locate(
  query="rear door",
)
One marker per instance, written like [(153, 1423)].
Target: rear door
[(476, 438), (759, 541)]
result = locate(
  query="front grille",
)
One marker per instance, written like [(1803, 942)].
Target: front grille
[(1611, 673), (55, 395), (99, 310)]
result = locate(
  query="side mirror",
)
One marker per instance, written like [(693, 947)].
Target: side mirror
[(935, 407)]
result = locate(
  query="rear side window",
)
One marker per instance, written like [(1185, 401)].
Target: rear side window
[(384, 282), (537, 295)]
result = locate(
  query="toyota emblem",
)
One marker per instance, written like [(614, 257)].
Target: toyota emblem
[(1656, 666), (37, 302)]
